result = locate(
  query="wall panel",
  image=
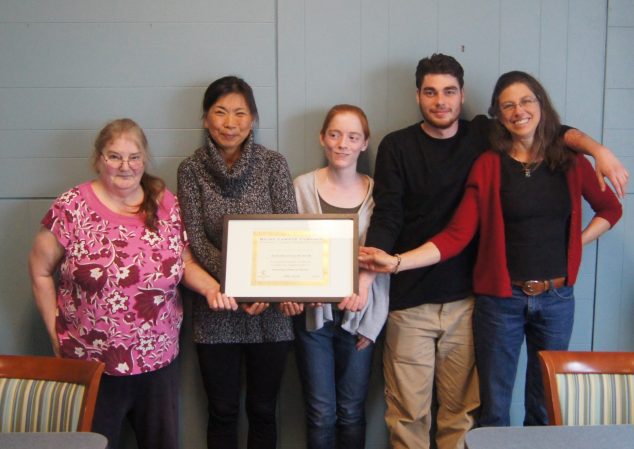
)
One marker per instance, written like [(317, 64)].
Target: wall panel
[(22, 330), (470, 31), (291, 73), (553, 51), (586, 66), (520, 35), (236, 11), (615, 289), (413, 33), (156, 54), (621, 63), (619, 109), (373, 91), (621, 13), (88, 109), (615, 278), (333, 32)]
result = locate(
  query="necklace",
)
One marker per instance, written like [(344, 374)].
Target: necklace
[(529, 167)]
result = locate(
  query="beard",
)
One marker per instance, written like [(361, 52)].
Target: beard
[(440, 124)]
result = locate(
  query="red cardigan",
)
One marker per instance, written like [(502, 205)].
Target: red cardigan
[(481, 208)]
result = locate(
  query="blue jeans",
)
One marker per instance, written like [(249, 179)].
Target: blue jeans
[(335, 378), (500, 325)]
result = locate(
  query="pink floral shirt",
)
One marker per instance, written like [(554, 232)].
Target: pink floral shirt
[(117, 298)]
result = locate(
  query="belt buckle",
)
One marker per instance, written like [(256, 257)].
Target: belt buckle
[(533, 288)]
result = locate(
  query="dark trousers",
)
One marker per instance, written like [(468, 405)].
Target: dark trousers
[(220, 366), (148, 400)]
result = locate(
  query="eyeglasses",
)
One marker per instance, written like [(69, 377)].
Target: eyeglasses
[(525, 103), (116, 161)]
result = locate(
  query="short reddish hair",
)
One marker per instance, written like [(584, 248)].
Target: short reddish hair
[(342, 109)]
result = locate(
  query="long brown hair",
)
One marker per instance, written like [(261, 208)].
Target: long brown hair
[(152, 186), (548, 141)]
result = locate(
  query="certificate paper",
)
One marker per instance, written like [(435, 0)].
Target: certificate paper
[(282, 258), (306, 257)]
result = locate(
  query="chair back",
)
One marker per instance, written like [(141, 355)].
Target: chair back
[(588, 388), (47, 394)]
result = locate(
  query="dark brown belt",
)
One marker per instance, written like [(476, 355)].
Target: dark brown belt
[(534, 288)]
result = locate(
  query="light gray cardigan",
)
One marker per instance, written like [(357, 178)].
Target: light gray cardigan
[(370, 320)]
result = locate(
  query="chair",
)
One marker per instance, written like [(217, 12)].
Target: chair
[(47, 394), (588, 388)]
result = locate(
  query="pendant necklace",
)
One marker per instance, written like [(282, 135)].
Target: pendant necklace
[(529, 167)]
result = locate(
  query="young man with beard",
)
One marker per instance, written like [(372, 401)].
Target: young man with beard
[(419, 180)]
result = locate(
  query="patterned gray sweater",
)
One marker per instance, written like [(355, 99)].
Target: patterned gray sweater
[(259, 182)]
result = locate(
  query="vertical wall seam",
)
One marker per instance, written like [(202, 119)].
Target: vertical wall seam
[(568, 56), (305, 74), (437, 26), (361, 78), (541, 38), (277, 76), (605, 66), (596, 259), (500, 37), (388, 59)]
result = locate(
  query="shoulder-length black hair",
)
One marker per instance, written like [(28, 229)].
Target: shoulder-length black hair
[(229, 85)]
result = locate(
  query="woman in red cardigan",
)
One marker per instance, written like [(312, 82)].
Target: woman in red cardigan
[(524, 198)]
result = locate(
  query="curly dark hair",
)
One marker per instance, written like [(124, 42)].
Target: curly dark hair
[(439, 64)]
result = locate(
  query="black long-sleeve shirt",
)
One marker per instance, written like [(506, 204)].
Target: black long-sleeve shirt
[(419, 181)]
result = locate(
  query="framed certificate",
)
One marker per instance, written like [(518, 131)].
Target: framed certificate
[(302, 258)]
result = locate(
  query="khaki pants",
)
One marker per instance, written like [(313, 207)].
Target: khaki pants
[(431, 343)]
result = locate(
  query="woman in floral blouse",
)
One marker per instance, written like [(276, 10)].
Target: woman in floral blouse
[(120, 249)]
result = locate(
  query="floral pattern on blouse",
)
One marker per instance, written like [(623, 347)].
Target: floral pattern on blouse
[(117, 296)]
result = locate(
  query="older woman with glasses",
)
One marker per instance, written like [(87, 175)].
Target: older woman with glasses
[(524, 197), (119, 247)]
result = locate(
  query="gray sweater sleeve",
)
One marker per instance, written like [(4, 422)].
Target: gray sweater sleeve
[(189, 197)]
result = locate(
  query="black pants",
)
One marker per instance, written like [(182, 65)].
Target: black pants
[(220, 366), (148, 400)]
